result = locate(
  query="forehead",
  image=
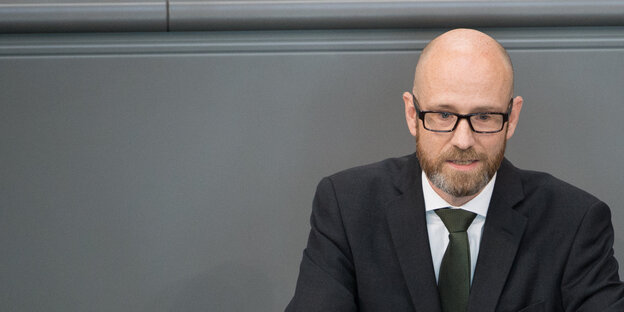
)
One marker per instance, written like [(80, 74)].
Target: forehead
[(464, 92), (464, 107), (464, 80)]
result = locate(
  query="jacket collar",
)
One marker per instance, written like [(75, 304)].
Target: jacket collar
[(502, 233), (405, 215)]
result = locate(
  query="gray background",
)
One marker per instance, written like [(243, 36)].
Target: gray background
[(174, 171)]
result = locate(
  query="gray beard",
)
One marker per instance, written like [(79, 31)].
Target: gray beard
[(456, 189)]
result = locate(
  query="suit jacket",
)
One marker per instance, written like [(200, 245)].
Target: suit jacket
[(546, 246)]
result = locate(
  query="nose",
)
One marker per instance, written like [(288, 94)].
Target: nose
[(463, 136)]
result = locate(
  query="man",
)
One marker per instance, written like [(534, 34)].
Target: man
[(456, 227)]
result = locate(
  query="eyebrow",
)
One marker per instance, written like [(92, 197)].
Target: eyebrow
[(478, 109)]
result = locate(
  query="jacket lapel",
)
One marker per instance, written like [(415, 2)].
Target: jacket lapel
[(408, 228), (502, 234)]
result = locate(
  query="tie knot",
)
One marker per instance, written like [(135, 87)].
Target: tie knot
[(456, 220)]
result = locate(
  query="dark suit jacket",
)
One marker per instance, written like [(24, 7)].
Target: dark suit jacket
[(546, 246)]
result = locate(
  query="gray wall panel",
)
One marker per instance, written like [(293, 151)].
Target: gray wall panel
[(30, 16), (45, 16), (175, 172), (311, 14)]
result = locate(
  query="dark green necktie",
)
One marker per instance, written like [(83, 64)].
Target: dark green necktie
[(454, 278)]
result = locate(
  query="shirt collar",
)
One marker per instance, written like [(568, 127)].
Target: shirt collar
[(478, 205)]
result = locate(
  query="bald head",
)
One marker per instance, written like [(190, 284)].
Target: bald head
[(466, 55), (461, 74)]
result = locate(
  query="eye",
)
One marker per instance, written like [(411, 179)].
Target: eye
[(444, 115), (484, 117)]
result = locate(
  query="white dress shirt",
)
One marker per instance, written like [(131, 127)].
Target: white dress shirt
[(438, 234)]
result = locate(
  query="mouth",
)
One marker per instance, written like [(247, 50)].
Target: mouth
[(463, 164)]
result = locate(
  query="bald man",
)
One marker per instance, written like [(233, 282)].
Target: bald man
[(456, 227)]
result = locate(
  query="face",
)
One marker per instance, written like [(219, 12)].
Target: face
[(460, 163), (459, 172)]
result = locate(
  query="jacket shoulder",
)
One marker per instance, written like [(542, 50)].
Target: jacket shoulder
[(556, 194), (541, 181), (370, 185), (386, 171)]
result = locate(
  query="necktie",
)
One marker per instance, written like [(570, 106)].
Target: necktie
[(454, 278)]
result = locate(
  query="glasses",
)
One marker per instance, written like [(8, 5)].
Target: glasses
[(486, 122)]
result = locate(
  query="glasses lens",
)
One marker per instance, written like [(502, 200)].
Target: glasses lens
[(487, 122), (440, 121)]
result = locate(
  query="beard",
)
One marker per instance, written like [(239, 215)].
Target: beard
[(459, 183)]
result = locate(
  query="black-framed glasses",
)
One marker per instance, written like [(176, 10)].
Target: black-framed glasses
[(485, 122)]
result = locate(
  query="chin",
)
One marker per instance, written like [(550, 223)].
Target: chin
[(461, 184)]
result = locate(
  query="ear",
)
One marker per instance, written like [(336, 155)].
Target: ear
[(410, 113), (514, 116)]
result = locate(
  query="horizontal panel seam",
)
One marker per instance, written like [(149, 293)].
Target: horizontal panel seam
[(171, 15)]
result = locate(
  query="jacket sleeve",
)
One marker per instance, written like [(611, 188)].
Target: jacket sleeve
[(326, 276), (591, 281)]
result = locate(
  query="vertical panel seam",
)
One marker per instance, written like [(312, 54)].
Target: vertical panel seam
[(167, 13)]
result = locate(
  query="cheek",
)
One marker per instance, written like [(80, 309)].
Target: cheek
[(494, 145), (432, 145)]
